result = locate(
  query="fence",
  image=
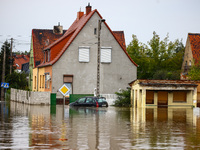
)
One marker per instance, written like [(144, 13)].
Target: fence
[(30, 97)]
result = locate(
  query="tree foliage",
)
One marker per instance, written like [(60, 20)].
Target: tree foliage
[(123, 98), (194, 73), (15, 80), (159, 59)]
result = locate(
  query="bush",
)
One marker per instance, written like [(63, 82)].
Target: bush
[(123, 98)]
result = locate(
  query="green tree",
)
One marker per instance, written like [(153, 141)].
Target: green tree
[(123, 98), (17, 80), (160, 59), (5, 46), (194, 73)]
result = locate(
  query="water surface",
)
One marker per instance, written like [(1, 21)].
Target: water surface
[(44, 127)]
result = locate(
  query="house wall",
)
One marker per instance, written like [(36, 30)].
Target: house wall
[(187, 56), (31, 65), (114, 75)]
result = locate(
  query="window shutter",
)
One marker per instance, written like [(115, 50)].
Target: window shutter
[(106, 55), (84, 54)]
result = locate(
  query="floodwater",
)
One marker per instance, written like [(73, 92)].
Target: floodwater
[(43, 127)]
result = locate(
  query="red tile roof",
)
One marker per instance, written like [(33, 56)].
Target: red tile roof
[(41, 39), (195, 45), (60, 46), (19, 60)]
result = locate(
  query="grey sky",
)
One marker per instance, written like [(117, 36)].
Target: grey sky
[(139, 17)]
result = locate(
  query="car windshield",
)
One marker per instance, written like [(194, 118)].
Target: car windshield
[(101, 99)]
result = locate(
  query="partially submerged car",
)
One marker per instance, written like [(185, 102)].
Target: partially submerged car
[(90, 102)]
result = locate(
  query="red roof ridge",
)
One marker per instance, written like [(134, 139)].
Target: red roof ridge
[(73, 31)]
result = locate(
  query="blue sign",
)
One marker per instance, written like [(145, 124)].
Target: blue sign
[(5, 85), (2, 84)]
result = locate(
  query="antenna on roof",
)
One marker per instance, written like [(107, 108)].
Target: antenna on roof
[(89, 4)]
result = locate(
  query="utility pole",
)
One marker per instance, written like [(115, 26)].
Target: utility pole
[(11, 59), (98, 57), (3, 73)]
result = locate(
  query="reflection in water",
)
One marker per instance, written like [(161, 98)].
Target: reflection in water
[(45, 127)]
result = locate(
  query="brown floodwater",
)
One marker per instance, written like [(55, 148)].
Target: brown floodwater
[(56, 127)]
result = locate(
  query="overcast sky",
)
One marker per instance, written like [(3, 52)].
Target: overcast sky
[(139, 17)]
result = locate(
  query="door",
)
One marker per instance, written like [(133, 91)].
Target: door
[(162, 98)]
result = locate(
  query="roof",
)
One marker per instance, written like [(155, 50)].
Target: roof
[(195, 45), (64, 42), (19, 60), (164, 83), (42, 38)]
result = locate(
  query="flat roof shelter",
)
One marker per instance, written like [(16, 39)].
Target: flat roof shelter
[(165, 93)]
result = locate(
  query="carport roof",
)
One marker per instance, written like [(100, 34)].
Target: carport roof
[(165, 83)]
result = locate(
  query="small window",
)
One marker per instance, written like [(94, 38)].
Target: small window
[(190, 63), (106, 55), (84, 54), (95, 31)]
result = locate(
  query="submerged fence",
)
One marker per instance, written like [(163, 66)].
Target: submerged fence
[(30, 97)]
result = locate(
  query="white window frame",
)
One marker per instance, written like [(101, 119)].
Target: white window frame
[(84, 54), (106, 54)]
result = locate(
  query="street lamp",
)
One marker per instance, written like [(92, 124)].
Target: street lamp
[(98, 57)]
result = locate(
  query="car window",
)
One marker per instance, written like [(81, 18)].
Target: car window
[(100, 100), (89, 100), (81, 100)]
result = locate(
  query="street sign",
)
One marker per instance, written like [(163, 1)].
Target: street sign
[(5, 85), (2, 84), (64, 90)]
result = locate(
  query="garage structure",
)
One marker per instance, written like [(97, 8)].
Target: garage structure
[(163, 93)]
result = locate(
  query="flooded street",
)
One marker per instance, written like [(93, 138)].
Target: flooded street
[(44, 127)]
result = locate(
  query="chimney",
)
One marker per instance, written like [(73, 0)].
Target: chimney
[(58, 29), (80, 14), (88, 9)]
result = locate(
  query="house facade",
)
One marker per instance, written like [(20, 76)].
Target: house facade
[(192, 53), (41, 38), (72, 59), (191, 57)]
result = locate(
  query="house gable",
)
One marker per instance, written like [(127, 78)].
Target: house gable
[(57, 49)]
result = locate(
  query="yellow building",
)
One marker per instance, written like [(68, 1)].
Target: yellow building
[(165, 93), (42, 79)]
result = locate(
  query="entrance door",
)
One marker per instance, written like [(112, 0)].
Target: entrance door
[(162, 98)]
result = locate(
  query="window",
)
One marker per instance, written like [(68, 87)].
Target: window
[(46, 80), (81, 100), (68, 80), (89, 100), (190, 63), (84, 54), (106, 54), (95, 31)]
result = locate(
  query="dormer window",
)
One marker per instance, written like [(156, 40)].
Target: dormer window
[(47, 55), (190, 63), (185, 63)]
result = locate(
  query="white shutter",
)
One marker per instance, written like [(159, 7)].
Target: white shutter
[(84, 54), (106, 55)]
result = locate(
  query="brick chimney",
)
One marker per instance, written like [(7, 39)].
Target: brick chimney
[(58, 29), (80, 14), (88, 9)]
